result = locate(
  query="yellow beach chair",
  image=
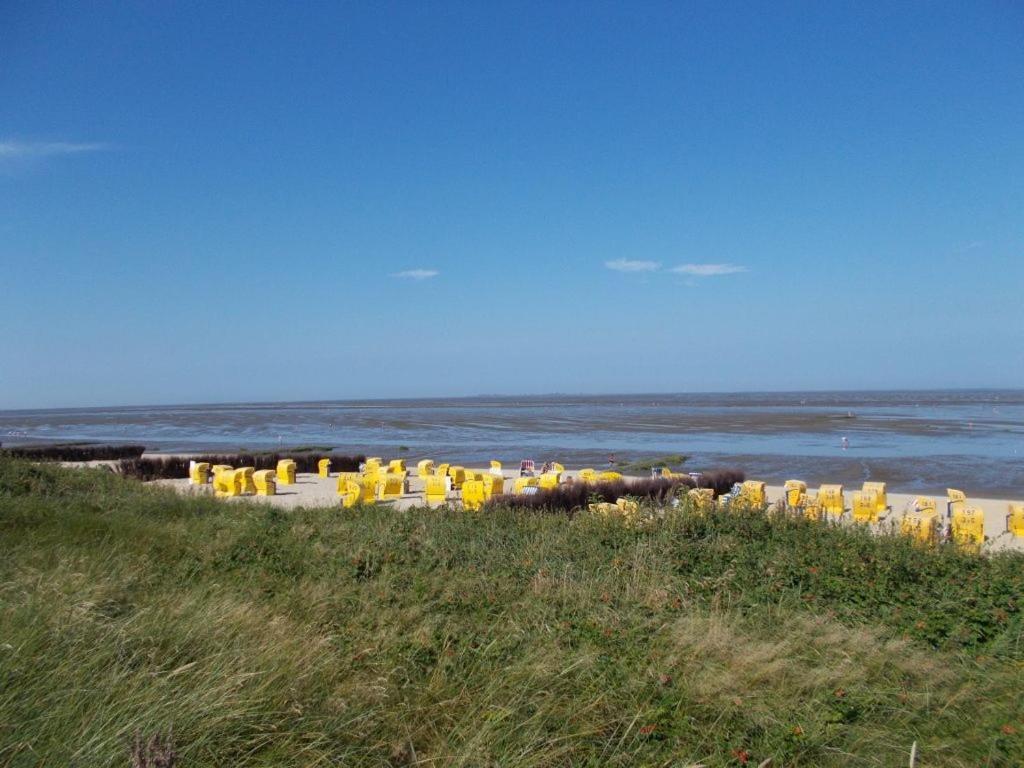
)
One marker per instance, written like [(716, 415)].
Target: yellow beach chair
[(425, 468), (372, 473), (436, 490), (347, 477), (556, 467), (227, 483), (922, 525), (832, 502), (391, 485), (702, 499), (350, 492), (609, 477), (587, 476), (286, 472), (265, 481), (473, 494), (865, 507), (244, 478), (967, 528), (794, 493), (458, 476), (811, 506), (368, 488), (217, 469), (495, 467), (521, 483), (442, 470), (1015, 521), (882, 507), (199, 473), (548, 481), (397, 465), (323, 468), (493, 486), (955, 502), (752, 492), (627, 505)]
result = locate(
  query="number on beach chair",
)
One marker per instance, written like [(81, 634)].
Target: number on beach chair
[(832, 502), (881, 498), (922, 525), (865, 507), (473, 494), (436, 490), (967, 528)]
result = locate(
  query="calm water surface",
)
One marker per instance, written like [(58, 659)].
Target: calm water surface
[(914, 440)]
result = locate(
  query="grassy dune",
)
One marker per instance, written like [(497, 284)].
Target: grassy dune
[(370, 637)]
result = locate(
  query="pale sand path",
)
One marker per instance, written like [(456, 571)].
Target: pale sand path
[(995, 511), (313, 491)]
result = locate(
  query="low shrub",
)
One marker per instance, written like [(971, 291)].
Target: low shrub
[(642, 465), (571, 497), (75, 452), (171, 467)]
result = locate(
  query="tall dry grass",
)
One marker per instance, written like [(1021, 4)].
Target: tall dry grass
[(373, 637)]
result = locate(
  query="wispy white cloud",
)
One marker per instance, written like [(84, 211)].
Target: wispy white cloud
[(416, 274), (630, 265), (708, 270), (30, 149)]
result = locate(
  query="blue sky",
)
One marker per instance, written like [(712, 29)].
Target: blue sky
[(268, 201)]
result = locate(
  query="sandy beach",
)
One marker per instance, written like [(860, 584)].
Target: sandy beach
[(311, 490)]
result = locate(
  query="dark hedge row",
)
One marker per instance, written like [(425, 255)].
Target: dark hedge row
[(570, 497), (171, 467), (75, 452)]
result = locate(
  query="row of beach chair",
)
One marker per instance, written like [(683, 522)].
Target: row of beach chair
[(380, 481)]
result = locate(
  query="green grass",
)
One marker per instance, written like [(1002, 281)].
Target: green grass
[(371, 637), (673, 461)]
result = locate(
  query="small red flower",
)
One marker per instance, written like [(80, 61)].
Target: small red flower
[(742, 755), (798, 731), (664, 679), (647, 730), (1008, 729), (839, 693)]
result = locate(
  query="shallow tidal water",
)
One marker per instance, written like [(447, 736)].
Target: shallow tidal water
[(915, 440)]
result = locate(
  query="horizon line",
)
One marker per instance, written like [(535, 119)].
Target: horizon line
[(482, 396)]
